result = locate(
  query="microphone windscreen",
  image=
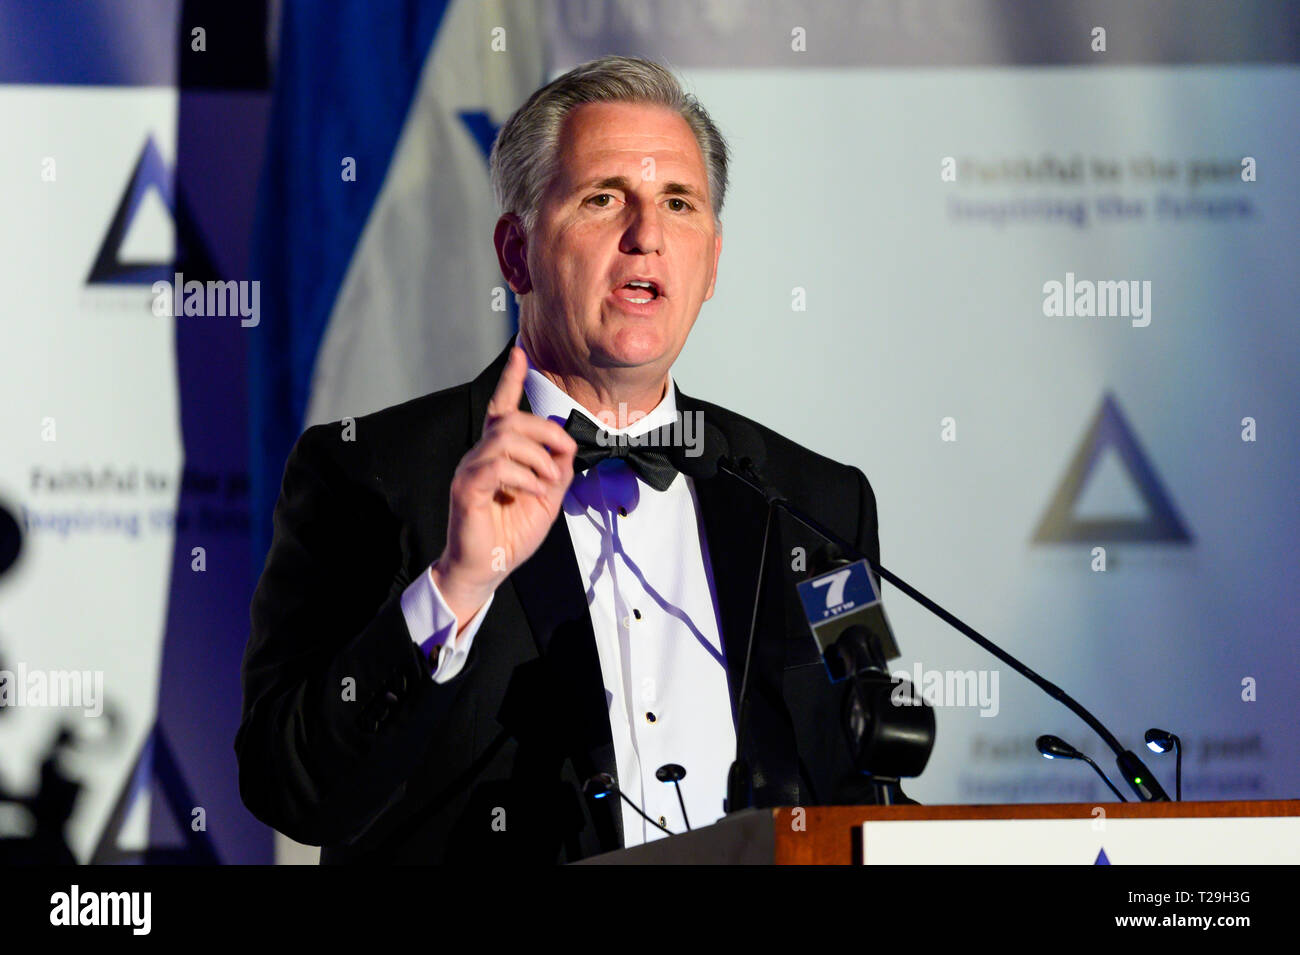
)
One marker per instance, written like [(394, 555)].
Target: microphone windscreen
[(699, 459), (599, 785)]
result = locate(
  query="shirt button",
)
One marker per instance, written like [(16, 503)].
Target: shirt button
[(636, 613), (650, 717)]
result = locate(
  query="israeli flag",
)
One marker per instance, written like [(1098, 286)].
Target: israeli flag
[(374, 238)]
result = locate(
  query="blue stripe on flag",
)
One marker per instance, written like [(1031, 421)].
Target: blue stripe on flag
[(346, 78)]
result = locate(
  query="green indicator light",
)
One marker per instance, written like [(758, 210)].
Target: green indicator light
[(1138, 780)]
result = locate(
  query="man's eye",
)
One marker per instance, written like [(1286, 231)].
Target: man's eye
[(596, 199), (684, 204)]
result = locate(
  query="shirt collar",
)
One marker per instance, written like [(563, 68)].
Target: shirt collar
[(548, 400)]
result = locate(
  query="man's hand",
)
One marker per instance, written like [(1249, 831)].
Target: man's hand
[(505, 496)]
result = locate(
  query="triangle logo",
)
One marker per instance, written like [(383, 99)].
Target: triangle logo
[(150, 180), (1110, 432), (172, 840)]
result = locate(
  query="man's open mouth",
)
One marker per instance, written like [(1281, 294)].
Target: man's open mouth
[(638, 292)]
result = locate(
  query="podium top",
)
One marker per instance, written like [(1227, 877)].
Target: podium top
[(831, 834)]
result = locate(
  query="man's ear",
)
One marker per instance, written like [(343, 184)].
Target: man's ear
[(512, 253), (717, 252)]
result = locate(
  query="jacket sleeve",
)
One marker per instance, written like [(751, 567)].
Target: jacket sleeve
[(337, 697)]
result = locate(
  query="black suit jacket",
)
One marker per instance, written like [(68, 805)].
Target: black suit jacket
[(347, 743)]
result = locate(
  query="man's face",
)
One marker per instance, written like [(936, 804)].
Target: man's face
[(629, 202)]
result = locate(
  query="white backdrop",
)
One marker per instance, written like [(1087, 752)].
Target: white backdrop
[(913, 316), (90, 589)]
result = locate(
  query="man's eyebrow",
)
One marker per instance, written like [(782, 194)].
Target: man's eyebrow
[(671, 188)]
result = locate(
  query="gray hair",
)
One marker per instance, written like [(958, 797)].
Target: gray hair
[(524, 156)]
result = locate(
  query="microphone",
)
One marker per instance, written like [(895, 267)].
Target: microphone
[(702, 466), (716, 456), (1159, 741), (672, 773), (602, 784), (1053, 747)]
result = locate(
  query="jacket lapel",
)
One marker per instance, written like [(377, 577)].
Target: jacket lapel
[(734, 517)]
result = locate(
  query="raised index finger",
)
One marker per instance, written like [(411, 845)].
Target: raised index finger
[(510, 388)]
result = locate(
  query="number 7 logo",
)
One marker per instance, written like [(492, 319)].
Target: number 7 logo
[(834, 584)]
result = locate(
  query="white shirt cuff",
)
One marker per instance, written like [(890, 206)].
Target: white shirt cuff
[(433, 626)]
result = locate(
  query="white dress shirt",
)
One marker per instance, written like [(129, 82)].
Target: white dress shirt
[(643, 556)]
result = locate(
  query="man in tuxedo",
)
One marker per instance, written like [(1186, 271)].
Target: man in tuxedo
[(479, 601)]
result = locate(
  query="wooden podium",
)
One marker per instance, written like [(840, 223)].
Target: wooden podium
[(1169, 832)]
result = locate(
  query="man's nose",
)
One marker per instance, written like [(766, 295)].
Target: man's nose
[(644, 234)]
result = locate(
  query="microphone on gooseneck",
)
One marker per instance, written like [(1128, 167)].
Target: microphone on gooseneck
[(1162, 741), (717, 456), (602, 784), (1053, 747), (703, 463), (673, 773)]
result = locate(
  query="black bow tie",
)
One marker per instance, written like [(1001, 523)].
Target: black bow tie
[(595, 444)]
